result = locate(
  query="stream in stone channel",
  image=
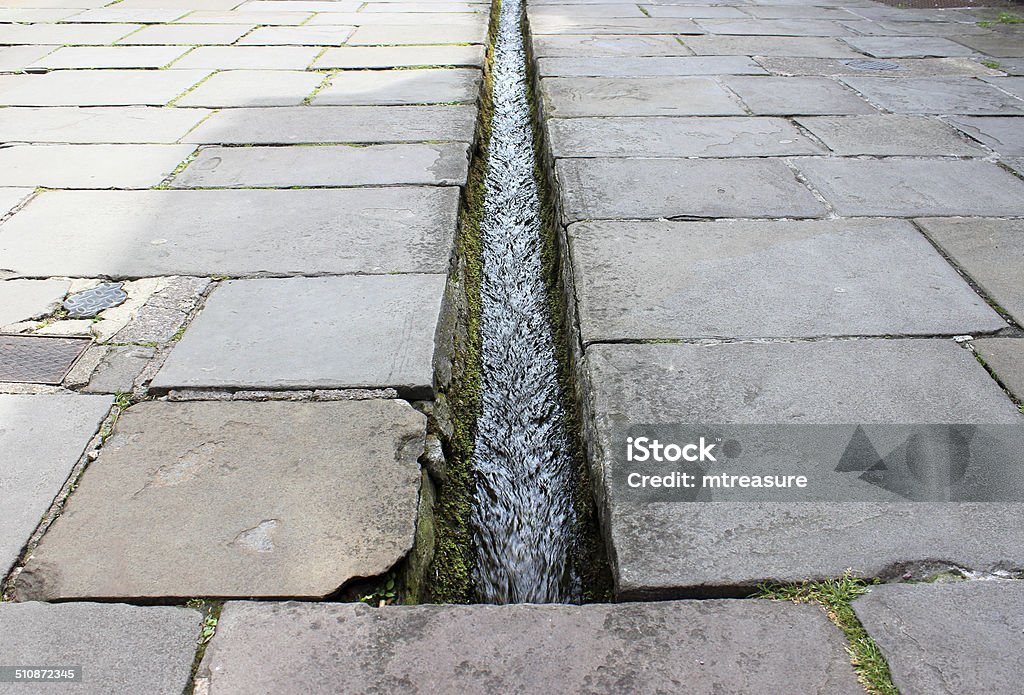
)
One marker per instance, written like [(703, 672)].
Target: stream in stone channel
[(523, 517)]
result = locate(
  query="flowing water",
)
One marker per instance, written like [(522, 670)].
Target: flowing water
[(523, 517)]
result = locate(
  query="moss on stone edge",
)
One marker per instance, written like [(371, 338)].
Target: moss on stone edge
[(835, 597), (449, 579)]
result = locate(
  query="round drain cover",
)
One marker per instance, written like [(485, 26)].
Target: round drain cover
[(872, 65), (91, 302)]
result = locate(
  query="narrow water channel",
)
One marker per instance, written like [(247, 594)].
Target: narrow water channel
[(523, 516)]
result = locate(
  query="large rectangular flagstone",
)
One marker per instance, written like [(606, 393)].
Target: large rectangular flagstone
[(948, 638), (990, 251), (231, 232), (604, 188), (676, 137), (608, 45), (672, 548), (100, 87), (1004, 134), (68, 124), (372, 57), (397, 87), (905, 187), (630, 96), (759, 279), (42, 437), (336, 124), (699, 648), (89, 166), (116, 647), (889, 134), (353, 331), (236, 499), (443, 164), (647, 66), (940, 95)]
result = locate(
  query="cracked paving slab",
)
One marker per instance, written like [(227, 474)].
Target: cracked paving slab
[(232, 232), (330, 494), (41, 437), (666, 549), (705, 647), (943, 639)]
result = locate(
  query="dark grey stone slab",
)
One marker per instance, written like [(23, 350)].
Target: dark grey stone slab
[(908, 187), (894, 68), (908, 46), (355, 331), (336, 124), (650, 66), (118, 369), (760, 279), (574, 46), (993, 44), (774, 27), (676, 137), (662, 96), (800, 96), (443, 164), (1012, 66), (118, 648), (236, 232), (397, 87), (1005, 357), (941, 95), (1004, 134), (805, 46), (889, 134), (1013, 85), (330, 493), (656, 188), (943, 639), (42, 437), (704, 647), (670, 548), (132, 124), (990, 251)]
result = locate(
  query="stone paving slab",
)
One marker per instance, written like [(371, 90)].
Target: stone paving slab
[(275, 334), (990, 251), (800, 96), (702, 647), (908, 46), (118, 369), (889, 134), (133, 124), (16, 58), (371, 57), (602, 25), (186, 34), (774, 27), (64, 34), (805, 46), (677, 137), (996, 45), (239, 232), (1013, 85), (89, 166), (444, 164), (260, 18), (330, 493), (11, 198), (590, 11), (1005, 357), (398, 87), (629, 45), (238, 88), (337, 124), (890, 69), (425, 33), (654, 66), (363, 19), (119, 648), (693, 11), (943, 639), (100, 87), (42, 437), (248, 58), (1003, 134), (761, 279), (21, 300), (939, 95), (906, 187), (297, 36), (662, 96), (149, 15), (88, 57), (667, 549), (656, 188)]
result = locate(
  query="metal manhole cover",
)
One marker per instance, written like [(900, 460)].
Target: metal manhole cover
[(32, 359), (871, 65), (88, 303)]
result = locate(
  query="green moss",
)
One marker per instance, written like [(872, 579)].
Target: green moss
[(835, 597), (991, 65), (212, 610)]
